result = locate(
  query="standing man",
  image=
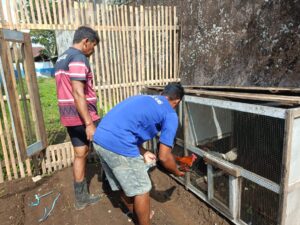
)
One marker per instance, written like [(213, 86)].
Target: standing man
[(77, 105), (118, 141)]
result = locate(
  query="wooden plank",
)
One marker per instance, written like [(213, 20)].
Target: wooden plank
[(8, 136), (53, 158), (59, 149), (76, 11), (71, 13), (285, 170), (257, 97), (69, 155), (163, 46), (82, 19), (60, 12), (5, 153), (64, 155), (28, 59), (21, 10), (170, 75), (2, 17)]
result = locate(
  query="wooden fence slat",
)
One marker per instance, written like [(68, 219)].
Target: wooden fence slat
[(64, 155), (147, 32), (5, 153), (42, 4), (162, 32), (151, 44), (8, 136), (159, 76), (54, 11), (60, 12), (15, 9), (176, 61), (32, 14), (120, 51), (8, 13), (127, 57), (59, 157), (49, 11), (138, 48), (24, 5), (38, 10), (142, 46), (65, 14), (48, 159), (115, 77), (118, 57), (2, 17), (167, 42), (133, 48), (125, 51)]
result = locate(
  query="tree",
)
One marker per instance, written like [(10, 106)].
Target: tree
[(47, 39)]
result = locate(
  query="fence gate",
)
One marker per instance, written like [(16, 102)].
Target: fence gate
[(22, 126)]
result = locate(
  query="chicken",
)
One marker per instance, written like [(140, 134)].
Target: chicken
[(185, 162)]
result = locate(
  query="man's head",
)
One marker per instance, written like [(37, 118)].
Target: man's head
[(85, 39), (174, 93)]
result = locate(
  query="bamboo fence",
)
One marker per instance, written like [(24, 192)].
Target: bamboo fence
[(138, 47)]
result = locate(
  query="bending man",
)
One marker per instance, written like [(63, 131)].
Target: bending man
[(118, 141)]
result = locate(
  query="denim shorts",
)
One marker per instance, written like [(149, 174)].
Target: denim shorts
[(129, 174)]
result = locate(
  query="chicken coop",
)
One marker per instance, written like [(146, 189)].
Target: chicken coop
[(247, 143)]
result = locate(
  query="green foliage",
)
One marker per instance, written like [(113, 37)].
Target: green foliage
[(55, 131), (47, 39)]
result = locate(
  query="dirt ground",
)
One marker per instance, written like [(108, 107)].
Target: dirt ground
[(173, 205)]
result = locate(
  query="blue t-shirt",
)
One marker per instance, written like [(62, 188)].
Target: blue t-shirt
[(134, 121)]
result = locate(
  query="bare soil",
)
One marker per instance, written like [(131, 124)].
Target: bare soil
[(173, 205)]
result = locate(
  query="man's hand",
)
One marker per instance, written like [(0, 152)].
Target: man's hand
[(149, 157), (90, 130)]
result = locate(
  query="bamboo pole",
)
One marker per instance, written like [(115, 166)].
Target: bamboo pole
[(26, 12), (49, 12), (110, 78), (37, 8), (167, 41), (8, 13), (162, 32), (16, 14), (142, 26), (133, 48), (147, 32), (157, 43), (121, 22), (99, 58), (54, 11), (175, 46), (106, 60), (42, 4), (138, 46), (33, 15), (129, 64), (60, 9), (151, 45), (118, 55)]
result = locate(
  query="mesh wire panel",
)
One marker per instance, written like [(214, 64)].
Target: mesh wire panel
[(198, 175), (259, 143), (221, 186), (259, 206)]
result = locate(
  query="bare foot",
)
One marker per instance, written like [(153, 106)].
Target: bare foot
[(151, 214)]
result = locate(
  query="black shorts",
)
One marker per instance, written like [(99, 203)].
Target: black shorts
[(78, 135)]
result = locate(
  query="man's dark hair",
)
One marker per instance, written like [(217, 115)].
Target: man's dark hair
[(85, 32), (173, 91)]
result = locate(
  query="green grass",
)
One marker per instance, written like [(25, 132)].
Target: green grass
[(56, 133)]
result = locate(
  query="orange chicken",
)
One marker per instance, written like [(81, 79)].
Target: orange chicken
[(185, 162)]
